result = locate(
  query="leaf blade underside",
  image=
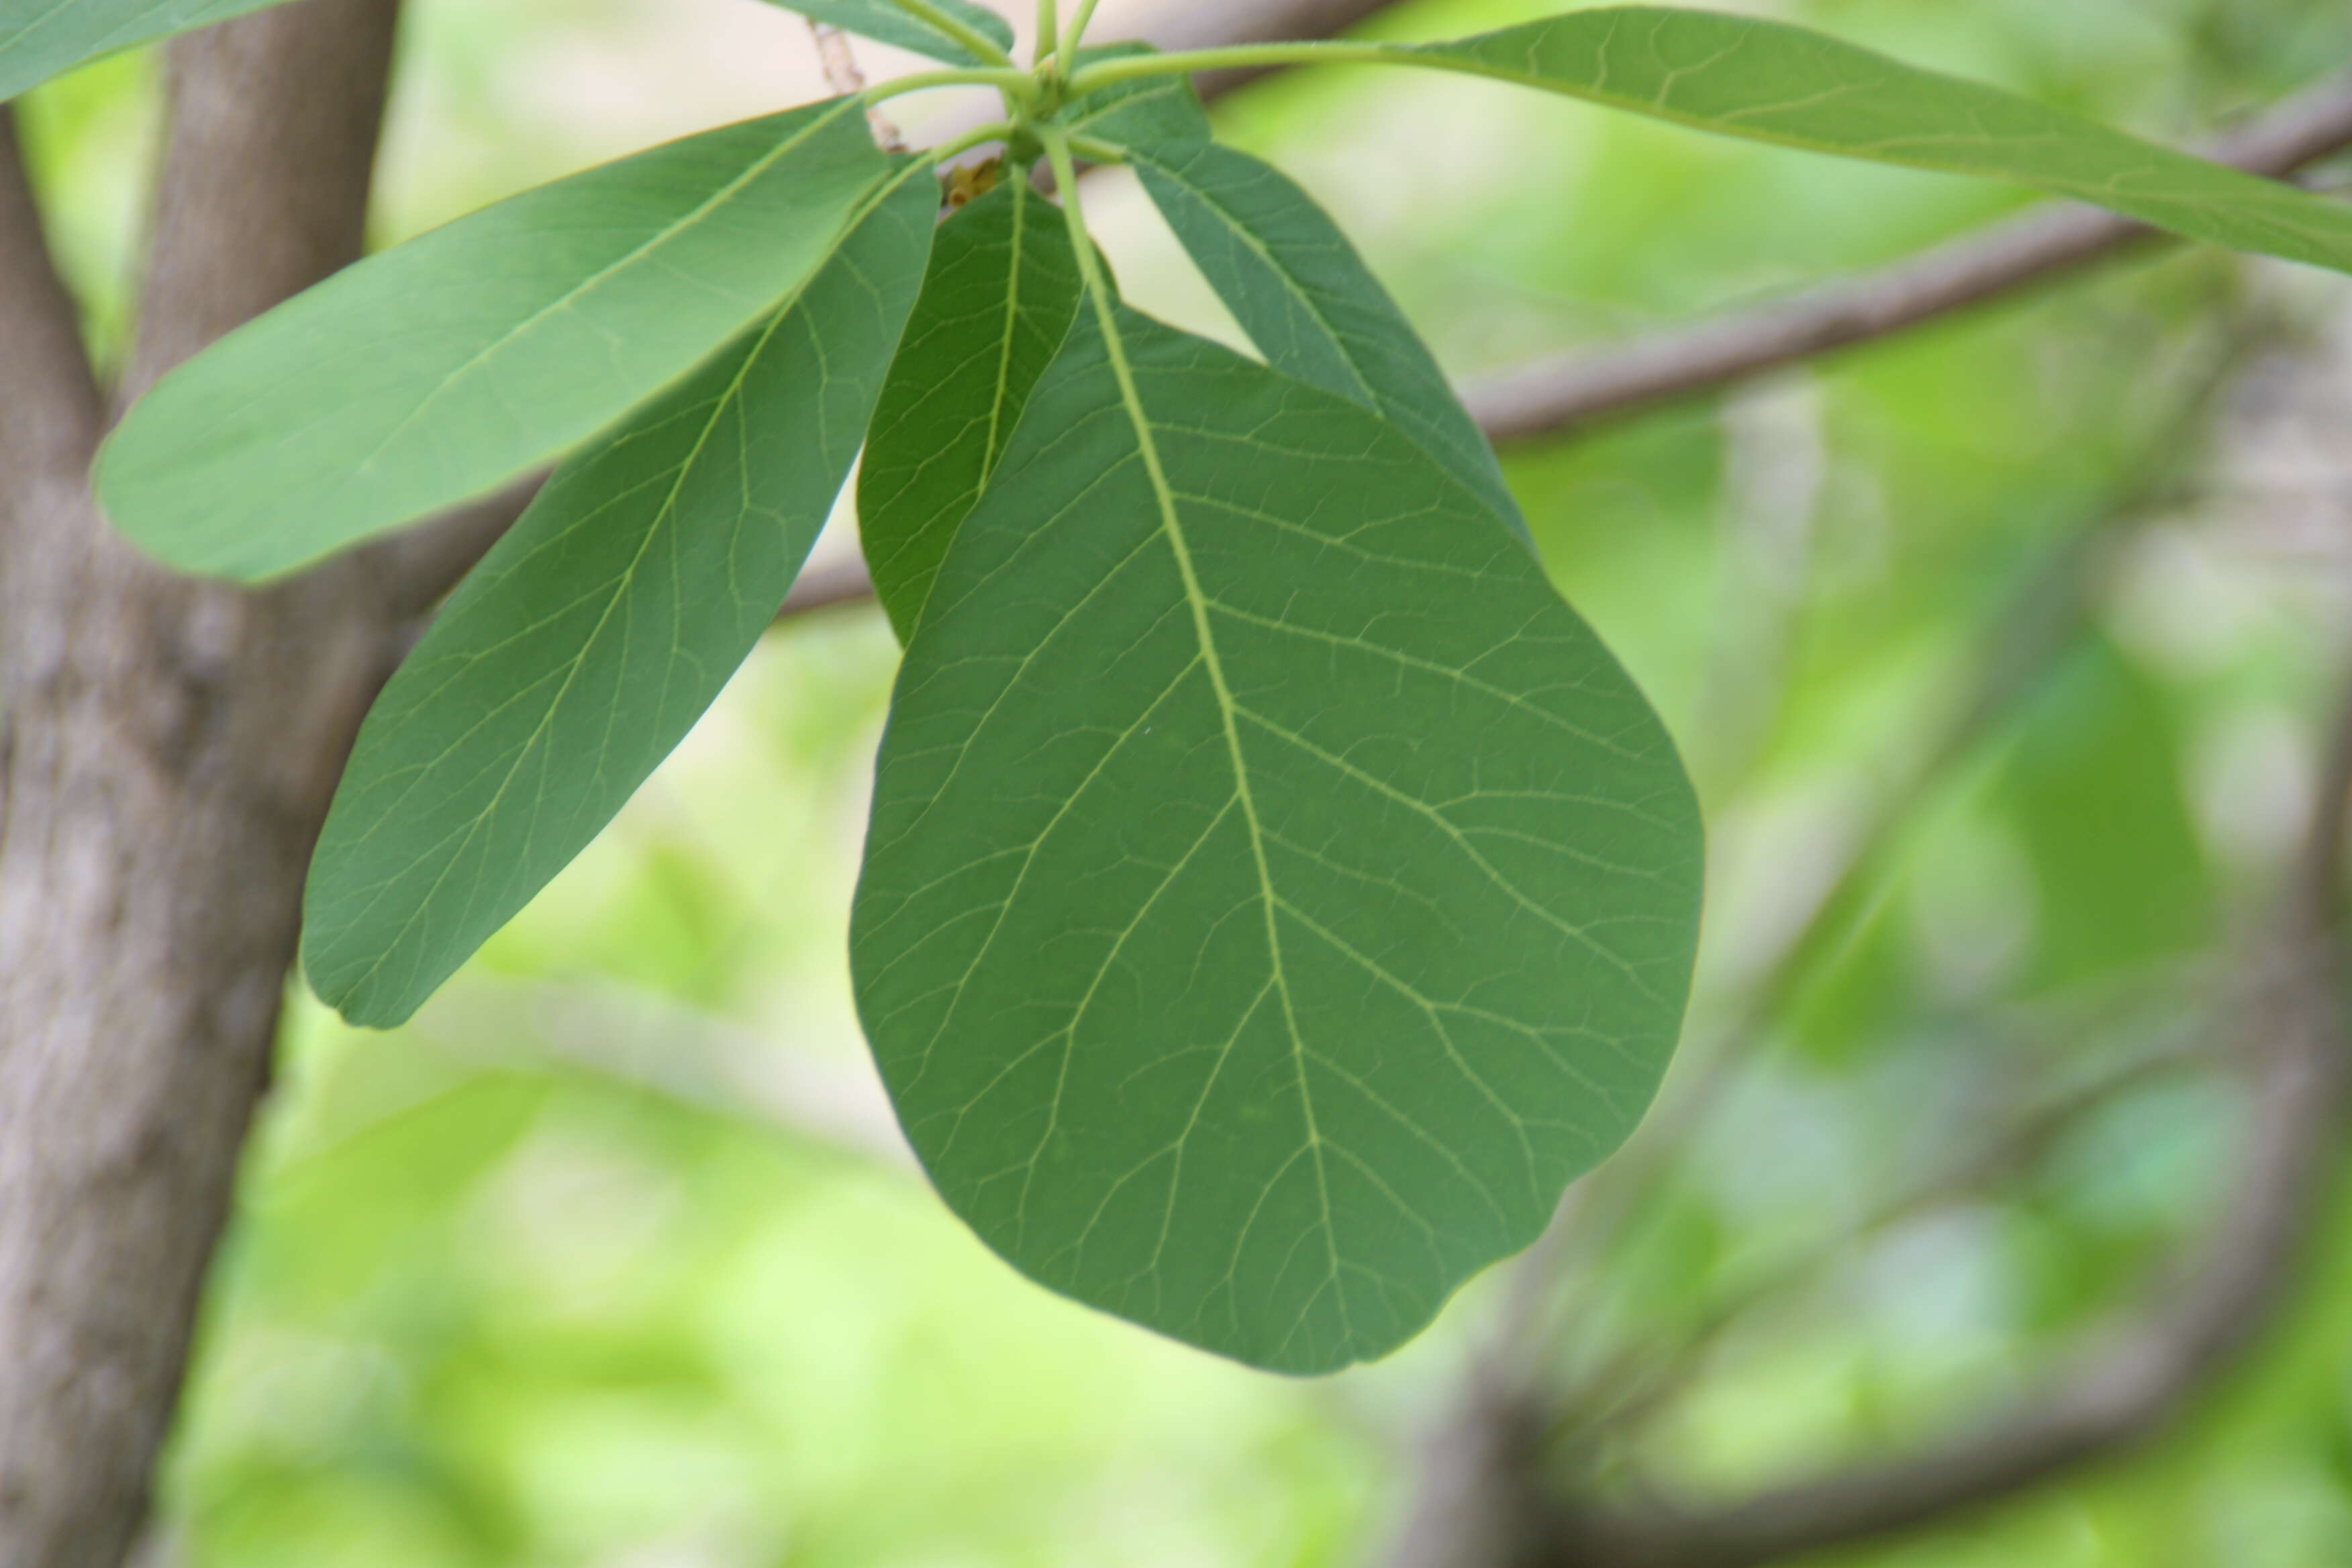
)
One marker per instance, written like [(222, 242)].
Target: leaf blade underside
[(1769, 81), (439, 369), (42, 38), (1150, 111), (1002, 290), (1275, 894), (598, 631), (1313, 310)]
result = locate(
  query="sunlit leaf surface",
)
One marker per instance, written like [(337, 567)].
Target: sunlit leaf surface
[(598, 631), (441, 368), (1275, 894)]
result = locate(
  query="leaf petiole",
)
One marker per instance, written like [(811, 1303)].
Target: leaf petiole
[(1006, 79), (1095, 150), (1246, 56), (996, 130), (1049, 32), (1079, 24)]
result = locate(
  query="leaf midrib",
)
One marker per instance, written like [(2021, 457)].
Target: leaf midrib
[(1197, 602), (1011, 329)]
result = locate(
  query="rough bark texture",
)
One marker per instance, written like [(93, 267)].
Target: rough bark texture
[(167, 750)]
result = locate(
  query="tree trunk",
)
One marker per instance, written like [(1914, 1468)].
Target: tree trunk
[(167, 752)]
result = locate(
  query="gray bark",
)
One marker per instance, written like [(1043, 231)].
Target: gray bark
[(167, 750)]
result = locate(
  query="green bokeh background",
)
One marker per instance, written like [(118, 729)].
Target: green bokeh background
[(609, 1262)]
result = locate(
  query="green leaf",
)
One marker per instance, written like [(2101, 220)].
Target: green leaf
[(442, 368), (597, 632), (1276, 895), (1767, 81), (1002, 290), (886, 23), (1311, 304), (1150, 113), (40, 39)]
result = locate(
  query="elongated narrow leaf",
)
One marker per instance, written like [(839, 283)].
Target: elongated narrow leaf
[(1153, 111), (598, 631), (440, 368), (1771, 82), (1311, 304), (1002, 290), (887, 22), (1275, 894), (40, 38)]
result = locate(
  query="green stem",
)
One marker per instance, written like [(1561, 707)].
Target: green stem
[(1049, 32), (963, 33), (1008, 78), (1251, 57), (1095, 150), (1078, 26)]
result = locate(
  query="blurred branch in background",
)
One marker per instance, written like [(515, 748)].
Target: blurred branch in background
[(1582, 388), (641, 1042), (2289, 1035), (2008, 664), (1588, 386), (425, 573), (1486, 1500)]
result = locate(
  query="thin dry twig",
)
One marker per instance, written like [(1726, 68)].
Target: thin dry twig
[(841, 74)]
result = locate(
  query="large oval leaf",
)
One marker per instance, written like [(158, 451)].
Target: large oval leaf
[(1767, 81), (1310, 303), (40, 38), (442, 368), (1002, 290), (887, 22), (1276, 895), (597, 632)]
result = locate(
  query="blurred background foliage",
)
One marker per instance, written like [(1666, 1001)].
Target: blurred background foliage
[(611, 1260)]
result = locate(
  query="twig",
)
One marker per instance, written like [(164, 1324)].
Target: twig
[(1634, 1385), (1505, 1407), (1582, 388), (2008, 665), (644, 1043), (842, 75), (2122, 1390), (1209, 24), (1588, 386)]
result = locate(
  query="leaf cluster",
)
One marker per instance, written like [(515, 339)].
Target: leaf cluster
[(1275, 894)]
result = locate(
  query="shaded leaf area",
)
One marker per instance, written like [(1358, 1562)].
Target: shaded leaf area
[(1311, 304), (40, 39), (1275, 894), (1150, 112), (890, 23), (1002, 292), (441, 368), (1767, 81), (596, 633)]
